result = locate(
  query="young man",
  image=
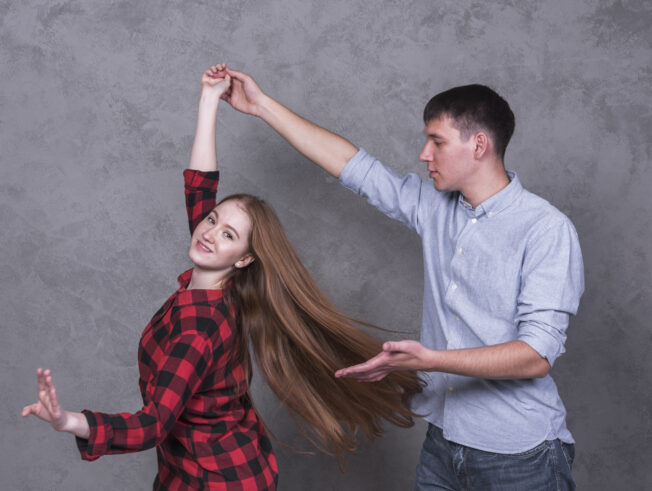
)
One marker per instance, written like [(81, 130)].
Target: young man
[(503, 274)]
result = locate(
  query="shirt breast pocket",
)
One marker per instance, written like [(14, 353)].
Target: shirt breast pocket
[(493, 274)]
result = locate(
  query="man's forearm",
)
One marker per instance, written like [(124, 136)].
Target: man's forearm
[(325, 148), (515, 359)]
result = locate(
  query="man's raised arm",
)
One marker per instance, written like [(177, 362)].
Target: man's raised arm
[(325, 148)]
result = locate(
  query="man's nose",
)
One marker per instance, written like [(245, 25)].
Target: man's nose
[(426, 154)]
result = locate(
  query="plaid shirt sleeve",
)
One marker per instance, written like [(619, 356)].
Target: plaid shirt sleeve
[(200, 189), (186, 361)]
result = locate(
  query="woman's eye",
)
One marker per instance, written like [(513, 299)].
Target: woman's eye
[(228, 235), (210, 219)]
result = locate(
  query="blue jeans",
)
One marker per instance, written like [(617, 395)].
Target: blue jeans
[(448, 465)]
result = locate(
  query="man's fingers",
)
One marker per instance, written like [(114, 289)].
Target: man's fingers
[(405, 346), (401, 346), (236, 74), (372, 376)]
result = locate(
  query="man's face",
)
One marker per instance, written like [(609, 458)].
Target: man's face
[(449, 159)]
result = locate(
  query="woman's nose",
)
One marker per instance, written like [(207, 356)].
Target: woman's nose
[(209, 234)]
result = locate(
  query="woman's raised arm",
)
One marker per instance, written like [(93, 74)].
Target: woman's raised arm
[(214, 83)]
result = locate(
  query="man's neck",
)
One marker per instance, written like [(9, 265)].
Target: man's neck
[(486, 185)]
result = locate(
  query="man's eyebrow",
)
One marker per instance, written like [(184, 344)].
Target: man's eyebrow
[(434, 135), (214, 212)]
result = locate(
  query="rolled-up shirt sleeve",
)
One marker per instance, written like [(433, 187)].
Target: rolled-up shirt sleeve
[(552, 283), (184, 365), (396, 196)]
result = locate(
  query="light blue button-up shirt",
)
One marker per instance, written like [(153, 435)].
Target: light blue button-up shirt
[(509, 269)]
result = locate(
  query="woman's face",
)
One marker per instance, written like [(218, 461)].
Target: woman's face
[(221, 240)]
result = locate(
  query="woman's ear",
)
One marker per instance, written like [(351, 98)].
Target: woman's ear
[(245, 261)]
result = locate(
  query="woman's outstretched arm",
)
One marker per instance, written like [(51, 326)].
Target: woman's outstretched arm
[(214, 82), (48, 409)]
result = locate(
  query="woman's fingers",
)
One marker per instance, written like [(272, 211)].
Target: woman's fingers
[(31, 409), (52, 395), (41, 380)]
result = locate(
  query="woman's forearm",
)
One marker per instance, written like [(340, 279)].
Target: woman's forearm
[(204, 153)]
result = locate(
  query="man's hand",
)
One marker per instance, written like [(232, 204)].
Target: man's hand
[(244, 95), (397, 355)]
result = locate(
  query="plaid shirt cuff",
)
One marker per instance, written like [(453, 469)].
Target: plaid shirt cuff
[(98, 440)]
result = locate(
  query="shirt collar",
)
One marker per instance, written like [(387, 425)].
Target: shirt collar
[(499, 201), (189, 297)]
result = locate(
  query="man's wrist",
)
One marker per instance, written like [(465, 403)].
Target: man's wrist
[(266, 107), (431, 360)]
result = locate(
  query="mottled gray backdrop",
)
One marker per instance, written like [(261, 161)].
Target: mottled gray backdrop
[(97, 112)]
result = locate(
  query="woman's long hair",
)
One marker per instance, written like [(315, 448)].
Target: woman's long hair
[(299, 340)]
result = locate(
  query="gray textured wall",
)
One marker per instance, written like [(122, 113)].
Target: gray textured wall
[(97, 110)]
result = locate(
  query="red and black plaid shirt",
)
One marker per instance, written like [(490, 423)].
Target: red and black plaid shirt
[(196, 410)]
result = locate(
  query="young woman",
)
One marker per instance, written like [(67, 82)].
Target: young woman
[(247, 291)]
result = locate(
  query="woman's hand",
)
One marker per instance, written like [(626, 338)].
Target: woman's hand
[(48, 409), (215, 81), (244, 95)]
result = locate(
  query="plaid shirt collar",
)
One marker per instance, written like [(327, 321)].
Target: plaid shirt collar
[(194, 297)]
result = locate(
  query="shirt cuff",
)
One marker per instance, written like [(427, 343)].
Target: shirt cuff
[(543, 340), (198, 179), (97, 443), (356, 169)]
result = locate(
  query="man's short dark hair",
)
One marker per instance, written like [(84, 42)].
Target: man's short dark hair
[(474, 108)]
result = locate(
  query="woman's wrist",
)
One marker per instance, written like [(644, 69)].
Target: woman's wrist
[(77, 424), (208, 98)]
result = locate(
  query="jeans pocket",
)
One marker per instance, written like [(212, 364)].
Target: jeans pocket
[(568, 450)]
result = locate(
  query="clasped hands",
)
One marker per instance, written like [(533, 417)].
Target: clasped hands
[(237, 88)]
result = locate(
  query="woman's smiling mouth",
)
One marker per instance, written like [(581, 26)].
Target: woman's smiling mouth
[(201, 247)]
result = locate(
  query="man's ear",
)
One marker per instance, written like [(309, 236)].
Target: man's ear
[(482, 144)]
